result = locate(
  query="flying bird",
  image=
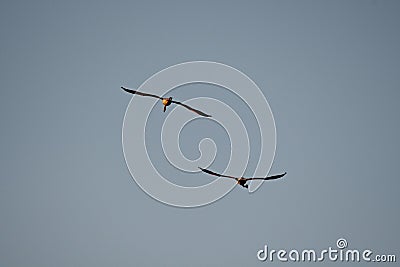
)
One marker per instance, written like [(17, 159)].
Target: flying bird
[(165, 101), (241, 180)]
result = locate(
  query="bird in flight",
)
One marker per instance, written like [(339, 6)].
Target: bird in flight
[(241, 180), (165, 101)]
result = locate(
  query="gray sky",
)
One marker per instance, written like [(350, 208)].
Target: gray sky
[(329, 69)]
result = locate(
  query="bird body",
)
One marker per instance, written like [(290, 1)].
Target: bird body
[(166, 102)]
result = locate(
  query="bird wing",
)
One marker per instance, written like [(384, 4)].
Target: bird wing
[(273, 177), (217, 174), (192, 109), (139, 93)]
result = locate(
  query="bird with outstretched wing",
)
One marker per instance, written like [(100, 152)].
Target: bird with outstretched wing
[(165, 101), (242, 180)]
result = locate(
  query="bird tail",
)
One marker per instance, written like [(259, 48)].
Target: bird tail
[(165, 108)]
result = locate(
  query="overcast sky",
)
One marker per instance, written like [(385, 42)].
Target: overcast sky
[(330, 71)]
